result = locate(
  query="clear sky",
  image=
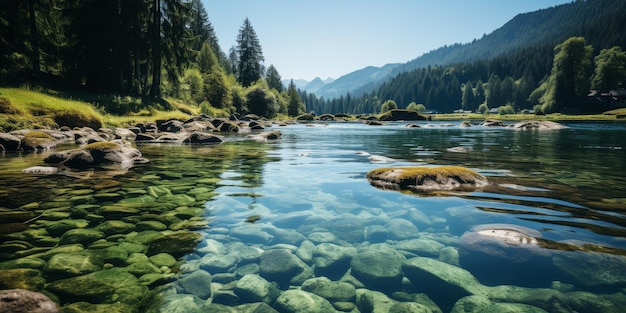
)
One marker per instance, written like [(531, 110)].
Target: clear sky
[(305, 39)]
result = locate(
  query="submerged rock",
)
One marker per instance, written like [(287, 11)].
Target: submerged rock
[(592, 269), (423, 178), (253, 288), (480, 304), (269, 135), (506, 254), (378, 266), (25, 301), (292, 301), (283, 267)]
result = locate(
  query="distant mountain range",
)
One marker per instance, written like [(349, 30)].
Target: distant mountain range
[(542, 28), (310, 86)]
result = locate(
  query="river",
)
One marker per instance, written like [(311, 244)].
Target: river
[(561, 194)]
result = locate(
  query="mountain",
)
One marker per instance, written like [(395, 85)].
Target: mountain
[(534, 30), (300, 83), (314, 85), (358, 79)]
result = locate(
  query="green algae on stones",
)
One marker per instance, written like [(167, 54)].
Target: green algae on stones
[(425, 178)]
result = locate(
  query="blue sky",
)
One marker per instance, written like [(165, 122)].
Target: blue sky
[(305, 39)]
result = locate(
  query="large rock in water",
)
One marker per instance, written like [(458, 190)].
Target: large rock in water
[(25, 301), (424, 178), (506, 254), (96, 154), (9, 142), (402, 115), (538, 125)]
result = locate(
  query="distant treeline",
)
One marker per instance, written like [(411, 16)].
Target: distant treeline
[(509, 67)]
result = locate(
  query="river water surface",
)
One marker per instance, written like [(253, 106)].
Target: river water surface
[(561, 192)]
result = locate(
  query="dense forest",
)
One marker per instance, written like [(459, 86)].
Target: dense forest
[(142, 50), (148, 51)]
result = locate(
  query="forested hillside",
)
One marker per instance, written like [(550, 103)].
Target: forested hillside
[(140, 52), (502, 68)]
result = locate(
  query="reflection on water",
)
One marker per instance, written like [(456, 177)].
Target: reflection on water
[(299, 209)]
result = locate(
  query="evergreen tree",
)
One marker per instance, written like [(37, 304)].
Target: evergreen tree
[(610, 72), (468, 99), (201, 27), (479, 94), (206, 59), (249, 66), (273, 79), (569, 78), (295, 106)]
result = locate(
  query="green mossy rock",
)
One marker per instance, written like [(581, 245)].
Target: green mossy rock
[(112, 227), (176, 244), (86, 307), (162, 259), (80, 235), (21, 278), (425, 178), (64, 265)]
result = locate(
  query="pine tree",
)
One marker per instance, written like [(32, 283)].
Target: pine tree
[(295, 104), (273, 79), (249, 67)]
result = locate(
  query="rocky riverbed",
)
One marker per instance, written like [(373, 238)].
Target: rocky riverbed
[(152, 243)]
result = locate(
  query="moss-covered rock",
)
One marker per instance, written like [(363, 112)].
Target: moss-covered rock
[(37, 141), (424, 178), (402, 115)]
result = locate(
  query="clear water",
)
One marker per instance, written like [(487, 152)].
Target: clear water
[(568, 185)]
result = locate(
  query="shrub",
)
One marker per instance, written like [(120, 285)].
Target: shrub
[(483, 109), (388, 106), (506, 109)]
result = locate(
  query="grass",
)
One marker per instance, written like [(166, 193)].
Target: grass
[(22, 108)]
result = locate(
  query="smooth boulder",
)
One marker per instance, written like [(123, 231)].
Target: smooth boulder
[(425, 178)]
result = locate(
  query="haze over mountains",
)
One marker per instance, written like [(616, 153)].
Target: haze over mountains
[(541, 29)]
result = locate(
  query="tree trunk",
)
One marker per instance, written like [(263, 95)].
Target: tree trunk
[(155, 90), (35, 40)]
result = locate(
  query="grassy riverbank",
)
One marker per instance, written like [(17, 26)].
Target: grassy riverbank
[(22, 108)]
